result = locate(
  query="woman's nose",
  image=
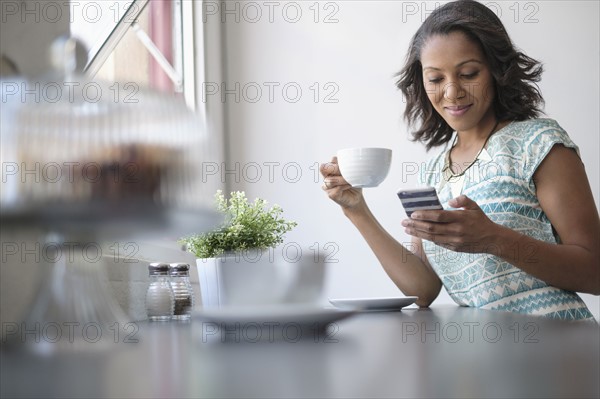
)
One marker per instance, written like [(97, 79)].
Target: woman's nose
[(453, 91)]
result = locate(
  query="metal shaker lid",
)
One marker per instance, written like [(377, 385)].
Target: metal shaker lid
[(179, 269), (158, 269)]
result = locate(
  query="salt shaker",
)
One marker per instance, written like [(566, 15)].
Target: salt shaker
[(160, 300), (182, 289)]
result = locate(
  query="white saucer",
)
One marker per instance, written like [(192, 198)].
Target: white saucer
[(278, 315), (374, 304)]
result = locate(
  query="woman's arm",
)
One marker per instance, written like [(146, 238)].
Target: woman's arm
[(565, 196), (411, 273)]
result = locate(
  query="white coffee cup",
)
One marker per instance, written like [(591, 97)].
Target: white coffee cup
[(263, 278), (366, 166)]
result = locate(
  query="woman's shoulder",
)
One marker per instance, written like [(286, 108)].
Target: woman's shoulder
[(531, 140), (528, 134), (534, 126), (438, 155), (431, 168)]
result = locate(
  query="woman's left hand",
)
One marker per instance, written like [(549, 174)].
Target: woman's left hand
[(464, 230)]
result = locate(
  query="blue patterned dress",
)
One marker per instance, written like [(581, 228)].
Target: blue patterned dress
[(501, 183)]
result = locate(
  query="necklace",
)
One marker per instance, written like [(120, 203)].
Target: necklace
[(447, 171)]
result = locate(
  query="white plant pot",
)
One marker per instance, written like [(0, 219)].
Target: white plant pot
[(260, 277)]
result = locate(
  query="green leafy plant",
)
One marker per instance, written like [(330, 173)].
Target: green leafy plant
[(247, 225)]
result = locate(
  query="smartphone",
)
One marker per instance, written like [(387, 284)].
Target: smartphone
[(419, 199)]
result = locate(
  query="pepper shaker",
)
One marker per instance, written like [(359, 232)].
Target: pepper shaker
[(182, 289)]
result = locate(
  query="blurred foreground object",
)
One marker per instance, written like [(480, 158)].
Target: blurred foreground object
[(87, 161)]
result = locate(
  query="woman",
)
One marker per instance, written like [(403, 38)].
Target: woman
[(524, 235)]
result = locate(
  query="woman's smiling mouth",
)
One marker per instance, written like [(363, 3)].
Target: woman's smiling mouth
[(458, 110)]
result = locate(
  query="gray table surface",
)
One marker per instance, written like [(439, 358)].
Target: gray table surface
[(444, 351)]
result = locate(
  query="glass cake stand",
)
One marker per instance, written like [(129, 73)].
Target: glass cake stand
[(86, 169)]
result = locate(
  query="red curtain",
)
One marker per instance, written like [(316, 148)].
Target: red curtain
[(161, 33)]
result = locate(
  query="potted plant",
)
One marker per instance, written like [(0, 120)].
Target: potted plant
[(236, 262)]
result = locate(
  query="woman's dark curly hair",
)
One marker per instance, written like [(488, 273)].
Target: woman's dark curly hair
[(517, 96)]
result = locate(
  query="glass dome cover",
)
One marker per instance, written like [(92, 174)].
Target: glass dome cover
[(136, 147), (80, 151)]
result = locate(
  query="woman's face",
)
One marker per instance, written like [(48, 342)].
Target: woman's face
[(458, 81)]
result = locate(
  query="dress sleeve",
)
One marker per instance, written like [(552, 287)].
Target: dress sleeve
[(543, 137)]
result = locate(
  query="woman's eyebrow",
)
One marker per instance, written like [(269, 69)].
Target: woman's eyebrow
[(456, 66), (467, 61)]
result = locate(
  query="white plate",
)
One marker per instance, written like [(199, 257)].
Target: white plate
[(277, 315), (374, 304)]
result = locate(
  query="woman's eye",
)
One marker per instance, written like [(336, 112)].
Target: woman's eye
[(435, 80), (470, 75)]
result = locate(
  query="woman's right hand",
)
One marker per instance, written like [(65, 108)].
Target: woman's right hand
[(338, 189)]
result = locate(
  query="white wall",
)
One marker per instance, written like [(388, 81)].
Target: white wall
[(271, 139), (27, 30)]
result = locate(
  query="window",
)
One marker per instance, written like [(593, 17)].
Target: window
[(139, 41)]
